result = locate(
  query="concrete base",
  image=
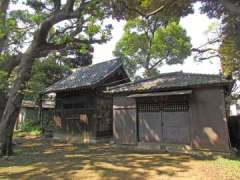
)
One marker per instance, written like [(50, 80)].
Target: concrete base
[(170, 148), (165, 147)]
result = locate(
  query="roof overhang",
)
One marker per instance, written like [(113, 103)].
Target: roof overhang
[(168, 93)]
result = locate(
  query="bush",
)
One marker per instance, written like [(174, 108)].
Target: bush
[(30, 125)]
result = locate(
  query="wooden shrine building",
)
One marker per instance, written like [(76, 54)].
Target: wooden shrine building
[(184, 109), (81, 106)]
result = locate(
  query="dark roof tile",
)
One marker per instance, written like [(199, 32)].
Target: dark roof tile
[(173, 80), (86, 76)]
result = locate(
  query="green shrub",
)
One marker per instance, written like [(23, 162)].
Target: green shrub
[(30, 125)]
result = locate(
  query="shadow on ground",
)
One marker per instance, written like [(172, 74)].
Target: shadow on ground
[(38, 159)]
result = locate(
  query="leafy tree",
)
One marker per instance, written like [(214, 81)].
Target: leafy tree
[(149, 8), (216, 8), (229, 50), (45, 72), (6, 24), (51, 26), (230, 57), (149, 15), (150, 43)]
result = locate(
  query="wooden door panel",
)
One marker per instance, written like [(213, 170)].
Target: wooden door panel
[(176, 127), (125, 126), (150, 129)]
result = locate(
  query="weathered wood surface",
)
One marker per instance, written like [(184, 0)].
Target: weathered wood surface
[(84, 112), (125, 120), (75, 112), (125, 126), (209, 128), (104, 116), (150, 127), (176, 127), (198, 120)]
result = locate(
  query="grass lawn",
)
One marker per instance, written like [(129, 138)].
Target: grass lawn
[(38, 159)]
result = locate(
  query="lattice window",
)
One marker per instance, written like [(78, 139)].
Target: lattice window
[(73, 106), (166, 107)]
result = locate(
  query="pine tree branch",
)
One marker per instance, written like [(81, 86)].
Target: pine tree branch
[(208, 57), (10, 63), (139, 12), (3, 10), (233, 8), (45, 49)]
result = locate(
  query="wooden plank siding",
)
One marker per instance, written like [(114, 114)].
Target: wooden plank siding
[(76, 112), (125, 116), (104, 116), (176, 127), (164, 119), (198, 120), (209, 128), (84, 112), (150, 127)]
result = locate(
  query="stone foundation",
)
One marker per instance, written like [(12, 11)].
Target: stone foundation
[(170, 148)]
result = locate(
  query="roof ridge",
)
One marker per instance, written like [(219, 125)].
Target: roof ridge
[(201, 74), (110, 72), (147, 79), (170, 73), (167, 74), (97, 64)]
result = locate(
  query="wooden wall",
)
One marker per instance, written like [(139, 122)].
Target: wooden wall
[(209, 128), (76, 112), (208, 123), (164, 119), (124, 117), (104, 115), (84, 111)]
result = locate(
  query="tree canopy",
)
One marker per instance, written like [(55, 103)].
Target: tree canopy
[(150, 43), (38, 29), (229, 50), (44, 73)]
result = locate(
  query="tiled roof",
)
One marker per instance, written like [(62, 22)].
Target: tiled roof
[(86, 76), (175, 80)]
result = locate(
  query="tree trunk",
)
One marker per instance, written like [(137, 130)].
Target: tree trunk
[(7, 149), (14, 101)]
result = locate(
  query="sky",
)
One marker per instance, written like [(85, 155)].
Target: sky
[(196, 26)]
